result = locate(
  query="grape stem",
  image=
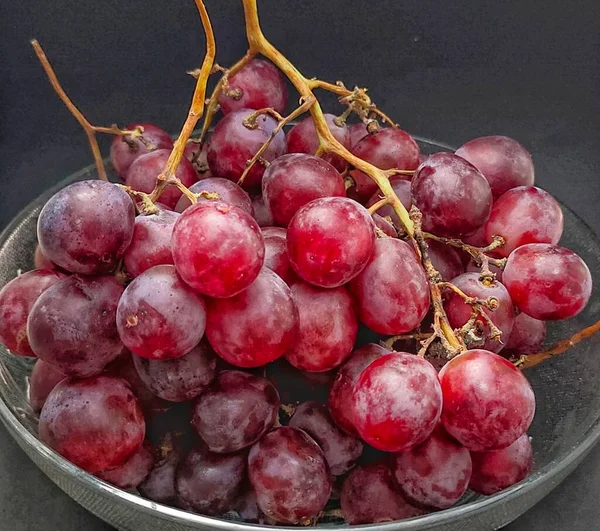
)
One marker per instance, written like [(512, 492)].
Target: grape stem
[(376, 206), (478, 253)]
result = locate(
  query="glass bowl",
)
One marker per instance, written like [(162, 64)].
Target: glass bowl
[(566, 424)]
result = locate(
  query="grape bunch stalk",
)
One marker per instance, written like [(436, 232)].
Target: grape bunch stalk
[(162, 308)]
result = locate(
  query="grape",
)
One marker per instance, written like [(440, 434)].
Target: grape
[(159, 316), (392, 291), (357, 133), (257, 85), (208, 483), (453, 196), (151, 243), (434, 474), (40, 261), (276, 256), (341, 450), (72, 325), (96, 423), (256, 326), (369, 496), (290, 476), (159, 485), (302, 138), (497, 470), (396, 402), (328, 328), (525, 214), (488, 403), (503, 162), (445, 260), (547, 282), (228, 192), (143, 173), (527, 336), (473, 267), (196, 154), (340, 394), (233, 144), (132, 472), (16, 300), (179, 379), (44, 377), (386, 149), (402, 189), (125, 149), (330, 240), (385, 226), (459, 312), (262, 215), (235, 411), (86, 227), (217, 248), (294, 180), (247, 506)]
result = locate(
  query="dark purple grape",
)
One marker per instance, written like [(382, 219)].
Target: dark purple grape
[(276, 255), (228, 192), (385, 226), (132, 472), (262, 215), (44, 377), (445, 260), (159, 485), (357, 133)]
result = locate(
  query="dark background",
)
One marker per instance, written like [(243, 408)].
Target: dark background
[(526, 69)]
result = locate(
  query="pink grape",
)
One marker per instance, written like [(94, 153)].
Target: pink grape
[(72, 325), (40, 261), (527, 336), (328, 326), (276, 255), (132, 472), (330, 240), (44, 377), (159, 485), (547, 282), (357, 133), (256, 326), (96, 423), (235, 411), (396, 402), (392, 290), (503, 162), (217, 248), (402, 189), (262, 215), (228, 192), (488, 402), (452, 194), (290, 476), (86, 227), (445, 260), (473, 267)]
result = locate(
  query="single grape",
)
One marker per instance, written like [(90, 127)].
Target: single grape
[(402, 189), (499, 469), (246, 506), (369, 496), (262, 215), (488, 402), (473, 267), (40, 261), (159, 316), (392, 290), (396, 402), (385, 226), (86, 227), (96, 423), (208, 483), (132, 472), (302, 138), (357, 133), (228, 192), (445, 259), (276, 255), (290, 476), (477, 239), (328, 326), (44, 377), (72, 325), (547, 282), (340, 394), (341, 450), (503, 162), (527, 336), (434, 474), (235, 411), (217, 248), (159, 485), (16, 300), (257, 85), (330, 240), (452, 194)]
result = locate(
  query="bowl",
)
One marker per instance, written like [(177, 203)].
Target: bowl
[(565, 428)]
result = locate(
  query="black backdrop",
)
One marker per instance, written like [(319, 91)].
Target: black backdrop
[(444, 70)]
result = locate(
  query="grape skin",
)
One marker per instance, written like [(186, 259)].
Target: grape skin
[(262, 215), (228, 192), (44, 377), (159, 484), (276, 255), (132, 472), (357, 133), (445, 260), (527, 336), (402, 190), (40, 261)]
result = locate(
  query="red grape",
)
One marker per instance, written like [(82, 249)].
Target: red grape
[(330, 240), (499, 469), (357, 133), (473, 267), (527, 336), (396, 402), (40, 261), (402, 189), (257, 85), (290, 476), (196, 154), (445, 260), (547, 282), (72, 325), (86, 227), (434, 474), (96, 423), (488, 403), (159, 485), (340, 394), (392, 291), (327, 328), (228, 192), (385, 226), (217, 248), (503, 162), (477, 239), (302, 138), (453, 196), (235, 411), (262, 215), (44, 377), (276, 255), (132, 472)]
